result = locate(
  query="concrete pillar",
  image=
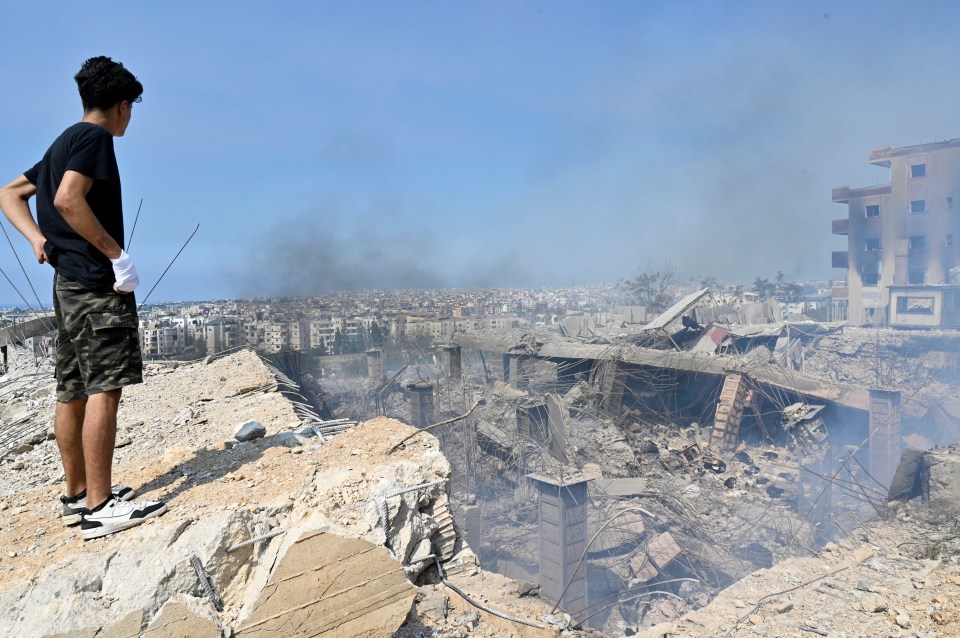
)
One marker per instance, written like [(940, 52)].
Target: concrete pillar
[(518, 371), (451, 360), (885, 445), (421, 404), (532, 422), (563, 539), (611, 385), (375, 365)]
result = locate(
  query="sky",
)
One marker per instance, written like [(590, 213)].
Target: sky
[(325, 146)]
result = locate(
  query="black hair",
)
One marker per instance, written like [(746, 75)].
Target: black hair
[(103, 83)]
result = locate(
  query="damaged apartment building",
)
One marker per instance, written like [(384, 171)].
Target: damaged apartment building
[(902, 260), (607, 460)]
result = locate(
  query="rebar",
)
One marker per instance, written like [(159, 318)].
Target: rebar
[(257, 539), (207, 584), (436, 425), (489, 610)]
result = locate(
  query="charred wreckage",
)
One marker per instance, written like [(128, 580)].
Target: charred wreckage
[(630, 473)]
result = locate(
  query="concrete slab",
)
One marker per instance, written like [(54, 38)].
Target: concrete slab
[(327, 585), (662, 550), (176, 620), (129, 627)]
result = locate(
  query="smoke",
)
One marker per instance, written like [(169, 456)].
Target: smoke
[(317, 254)]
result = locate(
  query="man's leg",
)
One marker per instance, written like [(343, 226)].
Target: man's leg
[(68, 428), (99, 438)]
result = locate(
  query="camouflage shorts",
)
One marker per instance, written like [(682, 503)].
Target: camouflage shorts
[(98, 348)]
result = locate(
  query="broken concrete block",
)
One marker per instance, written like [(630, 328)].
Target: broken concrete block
[(907, 482), (128, 627), (184, 417), (662, 550), (288, 439), (183, 617), (249, 431), (327, 585), (943, 470), (643, 570)]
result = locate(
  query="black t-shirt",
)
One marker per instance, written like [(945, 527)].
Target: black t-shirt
[(87, 149)]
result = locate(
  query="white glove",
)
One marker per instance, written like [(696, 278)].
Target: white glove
[(125, 273)]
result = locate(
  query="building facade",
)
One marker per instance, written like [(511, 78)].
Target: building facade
[(902, 261)]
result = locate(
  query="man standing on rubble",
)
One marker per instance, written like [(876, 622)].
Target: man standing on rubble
[(79, 231)]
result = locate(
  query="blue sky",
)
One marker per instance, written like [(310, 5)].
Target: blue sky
[(327, 146)]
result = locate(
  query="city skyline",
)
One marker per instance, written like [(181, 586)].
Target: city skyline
[(335, 147)]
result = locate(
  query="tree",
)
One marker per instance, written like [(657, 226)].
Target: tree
[(376, 335), (763, 288), (339, 342), (709, 282), (652, 287), (794, 292)]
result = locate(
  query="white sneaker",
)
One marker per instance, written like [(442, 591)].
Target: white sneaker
[(114, 515), (73, 507)]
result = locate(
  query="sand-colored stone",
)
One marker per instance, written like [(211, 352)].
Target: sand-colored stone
[(129, 627), (176, 620), (327, 585)]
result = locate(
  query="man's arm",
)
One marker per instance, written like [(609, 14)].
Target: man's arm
[(14, 202), (71, 201)]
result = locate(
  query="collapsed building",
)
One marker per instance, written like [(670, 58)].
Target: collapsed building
[(622, 476), (608, 461)]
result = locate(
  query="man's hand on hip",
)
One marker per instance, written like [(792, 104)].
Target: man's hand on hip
[(38, 249), (125, 273)]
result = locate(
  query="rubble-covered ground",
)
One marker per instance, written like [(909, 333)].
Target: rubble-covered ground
[(898, 576), (917, 361), (176, 444), (724, 519)]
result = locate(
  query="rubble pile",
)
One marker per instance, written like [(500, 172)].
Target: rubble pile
[(247, 519), (696, 523), (898, 577), (884, 357)]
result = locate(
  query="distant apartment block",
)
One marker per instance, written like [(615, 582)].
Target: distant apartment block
[(221, 333), (902, 262), (161, 341)]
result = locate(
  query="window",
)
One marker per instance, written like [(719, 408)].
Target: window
[(871, 279), (918, 170), (949, 242), (949, 203), (873, 210), (915, 305), (918, 206), (873, 244), (915, 277), (918, 242)]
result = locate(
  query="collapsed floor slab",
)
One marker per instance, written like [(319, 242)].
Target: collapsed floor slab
[(327, 585)]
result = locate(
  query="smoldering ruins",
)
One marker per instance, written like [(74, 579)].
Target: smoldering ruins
[(629, 472)]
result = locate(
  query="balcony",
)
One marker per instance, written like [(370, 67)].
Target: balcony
[(841, 226), (843, 194), (841, 258)]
